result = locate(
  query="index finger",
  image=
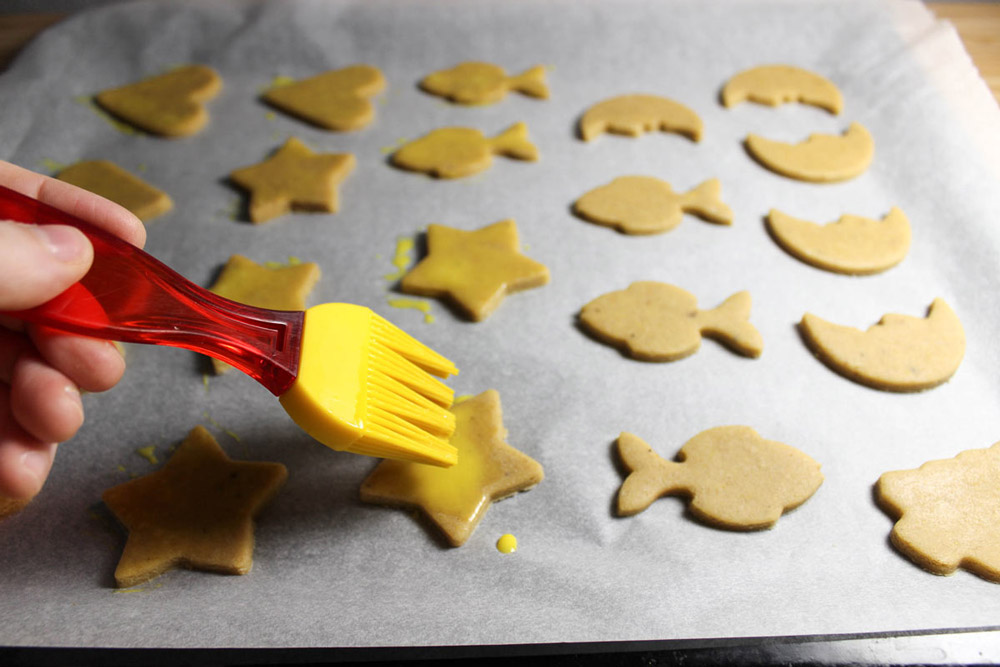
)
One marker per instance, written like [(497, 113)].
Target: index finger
[(85, 205)]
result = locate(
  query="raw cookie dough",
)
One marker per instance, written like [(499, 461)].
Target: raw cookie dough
[(900, 353), (279, 288), (9, 506), (947, 512), (484, 83), (171, 104), (653, 321), (736, 479), (336, 100), (647, 205), (853, 245), (110, 181), (822, 158), (294, 178), (475, 270), (196, 512), (453, 152), (456, 498), (634, 114), (777, 84)]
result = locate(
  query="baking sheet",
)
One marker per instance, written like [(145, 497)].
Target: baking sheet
[(329, 571)]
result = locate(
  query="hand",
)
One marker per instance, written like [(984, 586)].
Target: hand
[(42, 371)]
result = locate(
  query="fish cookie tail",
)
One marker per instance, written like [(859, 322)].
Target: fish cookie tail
[(514, 142), (531, 82), (730, 324), (705, 201), (649, 475)]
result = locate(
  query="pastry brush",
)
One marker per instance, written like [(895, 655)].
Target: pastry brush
[(348, 377)]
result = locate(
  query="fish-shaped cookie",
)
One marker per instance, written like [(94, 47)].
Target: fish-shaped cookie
[(735, 478), (654, 321), (648, 205), (453, 152), (484, 83)]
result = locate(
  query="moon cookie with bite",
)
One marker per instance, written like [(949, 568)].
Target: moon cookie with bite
[(853, 245), (777, 84), (900, 353), (822, 158), (634, 114)]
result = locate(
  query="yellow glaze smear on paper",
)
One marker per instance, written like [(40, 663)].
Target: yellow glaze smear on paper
[(148, 453), (422, 306), (401, 258), (507, 544)]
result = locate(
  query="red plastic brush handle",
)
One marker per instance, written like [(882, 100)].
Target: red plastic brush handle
[(130, 296)]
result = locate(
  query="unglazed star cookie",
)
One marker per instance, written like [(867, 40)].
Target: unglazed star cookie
[(171, 104), (456, 498), (633, 115), (947, 512), (777, 84), (736, 479), (294, 178), (653, 321), (474, 270), (821, 158), (453, 152), (196, 512), (900, 353), (110, 181), (336, 100), (484, 83), (647, 205), (278, 288), (853, 245)]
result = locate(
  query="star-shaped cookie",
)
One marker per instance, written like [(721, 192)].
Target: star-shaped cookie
[(195, 512), (456, 498), (948, 512), (280, 288), (294, 178), (476, 269)]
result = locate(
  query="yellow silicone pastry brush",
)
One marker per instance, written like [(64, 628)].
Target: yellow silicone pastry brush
[(347, 376)]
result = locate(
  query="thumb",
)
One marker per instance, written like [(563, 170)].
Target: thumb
[(37, 262)]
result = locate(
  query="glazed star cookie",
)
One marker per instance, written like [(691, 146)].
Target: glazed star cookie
[(336, 100), (474, 270), (196, 512), (821, 158), (647, 205), (454, 152), (947, 512), (171, 104), (853, 245), (274, 288), (633, 115), (456, 498), (294, 178), (777, 84), (900, 353), (735, 479), (484, 83), (654, 321), (110, 181)]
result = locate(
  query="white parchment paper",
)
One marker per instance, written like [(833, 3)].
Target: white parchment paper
[(329, 571)]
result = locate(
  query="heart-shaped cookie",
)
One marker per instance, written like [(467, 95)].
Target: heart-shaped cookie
[(335, 100), (171, 104)]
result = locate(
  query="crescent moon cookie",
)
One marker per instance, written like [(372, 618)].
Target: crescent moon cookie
[(653, 321), (484, 83), (633, 115), (335, 100), (900, 353), (171, 104), (853, 245), (735, 479), (110, 181), (822, 158), (453, 152), (647, 205), (777, 84)]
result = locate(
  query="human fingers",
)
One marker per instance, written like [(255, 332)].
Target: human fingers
[(25, 461), (37, 262), (44, 401), (92, 364), (75, 200)]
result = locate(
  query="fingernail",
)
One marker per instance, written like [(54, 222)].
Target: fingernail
[(74, 397), (65, 243), (36, 464)]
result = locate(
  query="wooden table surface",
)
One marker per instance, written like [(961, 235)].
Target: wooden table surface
[(978, 24)]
